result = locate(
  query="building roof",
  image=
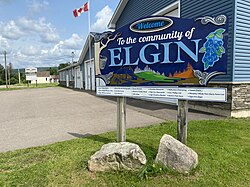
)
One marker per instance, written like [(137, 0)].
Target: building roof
[(86, 47), (83, 53), (117, 14), (68, 67), (43, 74)]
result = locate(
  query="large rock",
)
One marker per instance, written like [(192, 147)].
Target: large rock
[(176, 155), (116, 156)]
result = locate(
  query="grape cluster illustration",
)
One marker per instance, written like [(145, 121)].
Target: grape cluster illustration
[(213, 48)]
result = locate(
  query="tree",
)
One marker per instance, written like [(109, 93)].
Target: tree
[(63, 65), (23, 78), (13, 80), (2, 75), (53, 71)]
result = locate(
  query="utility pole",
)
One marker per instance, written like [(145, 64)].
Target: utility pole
[(19, 78), (9, 74), (72, 55), (6, 76)]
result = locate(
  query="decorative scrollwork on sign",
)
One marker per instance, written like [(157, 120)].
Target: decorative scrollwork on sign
[(103, 61), (106, 78), (99, 36), (219, 20), (204, 77), (106, 37)]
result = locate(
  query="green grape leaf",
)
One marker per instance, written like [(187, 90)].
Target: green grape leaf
[(222, 49), (206, 65), (220, 31), (219, 36), (218, 53), (211, 35), (203, 50)]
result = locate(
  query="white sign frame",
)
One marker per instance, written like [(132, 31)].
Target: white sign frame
[(181, 93)]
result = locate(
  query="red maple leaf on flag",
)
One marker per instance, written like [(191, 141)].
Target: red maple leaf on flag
[(84, 8)]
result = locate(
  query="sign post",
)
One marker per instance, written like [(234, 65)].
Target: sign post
[(182, 122), (121, 119)]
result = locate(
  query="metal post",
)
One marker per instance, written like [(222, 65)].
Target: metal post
[(121, 119), (6, 76), (182, 123)]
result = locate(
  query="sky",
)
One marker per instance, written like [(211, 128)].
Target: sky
[(44, 33)]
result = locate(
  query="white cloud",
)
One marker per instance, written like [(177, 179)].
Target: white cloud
[(36, 6), (36, 43), (39, 54), (45, 30), (25, 27), (75, 42), (11, 31), (102, 19), (4, 44), (31, 50)]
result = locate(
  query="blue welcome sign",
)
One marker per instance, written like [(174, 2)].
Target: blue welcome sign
[(160, 51)]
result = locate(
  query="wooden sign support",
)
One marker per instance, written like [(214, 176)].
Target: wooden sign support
[(121, 119), (182, 122)]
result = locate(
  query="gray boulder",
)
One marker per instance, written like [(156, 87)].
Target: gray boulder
[(117, 156), (176, 155)]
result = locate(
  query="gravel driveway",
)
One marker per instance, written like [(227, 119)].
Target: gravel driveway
[(34, 117)]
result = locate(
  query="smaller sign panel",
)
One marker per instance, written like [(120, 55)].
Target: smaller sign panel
[(31, 74), (30, 77), (196, 94), (30, 70)]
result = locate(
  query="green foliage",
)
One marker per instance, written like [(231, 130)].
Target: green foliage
[(13, 80), (223, 147), (152, 170), (63, 65), (31, 86), (23, 78), (53, 70), (2, 76)]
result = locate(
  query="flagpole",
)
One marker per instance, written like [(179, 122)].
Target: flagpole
[(90, 55), (90, 48)]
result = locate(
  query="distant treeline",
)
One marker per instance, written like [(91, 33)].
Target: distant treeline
[(12, 74)]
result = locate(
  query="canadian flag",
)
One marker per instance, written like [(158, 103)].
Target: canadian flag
[(84, 8)]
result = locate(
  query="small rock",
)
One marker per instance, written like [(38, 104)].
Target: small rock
[(117, 156), (176, 155)]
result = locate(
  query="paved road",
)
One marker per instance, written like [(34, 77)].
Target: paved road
[(42, 116)]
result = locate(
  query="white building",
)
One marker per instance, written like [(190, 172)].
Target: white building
[(43, 77), (37, 77)]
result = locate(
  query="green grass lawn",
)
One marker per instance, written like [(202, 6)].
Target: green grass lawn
[(25, 86), (223, 147)]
